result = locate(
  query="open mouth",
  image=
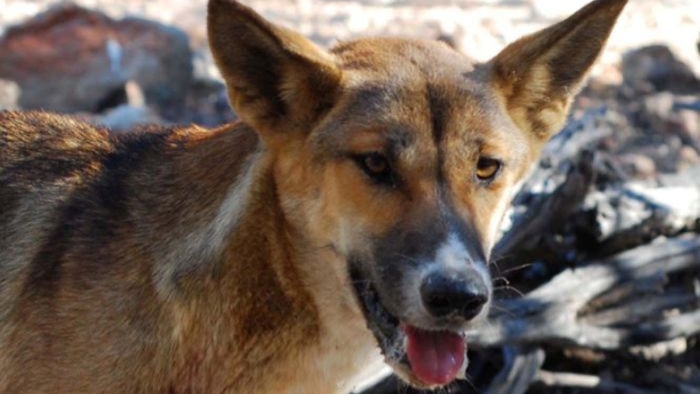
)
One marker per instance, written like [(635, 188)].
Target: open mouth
[(425, 358)]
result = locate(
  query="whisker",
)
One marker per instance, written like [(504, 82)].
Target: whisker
[(470, 382), (517, 268), (501, 309), (510, 288), (500, 279), (409, 258)]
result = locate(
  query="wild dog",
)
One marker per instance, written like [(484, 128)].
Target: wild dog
[(352, 209)]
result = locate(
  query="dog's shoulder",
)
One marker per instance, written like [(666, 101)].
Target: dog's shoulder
[(37, 146), (53, 167), (34, 132)]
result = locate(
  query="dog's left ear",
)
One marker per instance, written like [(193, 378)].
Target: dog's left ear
[(278, 81), (538, 75)]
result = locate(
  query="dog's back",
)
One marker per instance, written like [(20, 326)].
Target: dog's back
[(82, 218)]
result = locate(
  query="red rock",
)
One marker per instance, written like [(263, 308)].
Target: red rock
[(71, 59)]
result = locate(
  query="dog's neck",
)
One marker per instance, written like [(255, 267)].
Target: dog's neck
[(273, 287), (224, 228)]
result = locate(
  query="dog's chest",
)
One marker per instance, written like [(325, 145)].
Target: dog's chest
[(346, 357), (354, 354)]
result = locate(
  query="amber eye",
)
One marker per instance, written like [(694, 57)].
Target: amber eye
[(375, 163), (487, 168), (376, 166)]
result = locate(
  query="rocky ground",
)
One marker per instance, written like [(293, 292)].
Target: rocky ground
[(125, 63)]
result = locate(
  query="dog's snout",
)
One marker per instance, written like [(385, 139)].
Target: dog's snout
[(444, 295)]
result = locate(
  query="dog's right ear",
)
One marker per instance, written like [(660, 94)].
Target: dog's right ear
[(278, 81)]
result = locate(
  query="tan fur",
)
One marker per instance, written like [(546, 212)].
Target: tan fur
[(192, 260)]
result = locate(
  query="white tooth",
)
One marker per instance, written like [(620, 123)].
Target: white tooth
[(462, 374)]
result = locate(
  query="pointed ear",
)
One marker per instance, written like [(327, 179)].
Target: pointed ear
[(277, 80), (538, 75)]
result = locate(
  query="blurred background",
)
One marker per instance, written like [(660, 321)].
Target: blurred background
[(73, 58), (621, 183)]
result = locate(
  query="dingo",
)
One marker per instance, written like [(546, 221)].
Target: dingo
[(352, 209)]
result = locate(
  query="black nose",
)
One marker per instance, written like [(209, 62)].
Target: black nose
[(444, 295)]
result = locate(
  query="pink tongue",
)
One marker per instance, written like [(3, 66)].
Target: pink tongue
[(435, 356)]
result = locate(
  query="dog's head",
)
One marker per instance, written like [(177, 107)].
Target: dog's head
[(402, 157)]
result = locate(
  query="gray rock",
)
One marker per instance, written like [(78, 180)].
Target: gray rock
[(656, 68)]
